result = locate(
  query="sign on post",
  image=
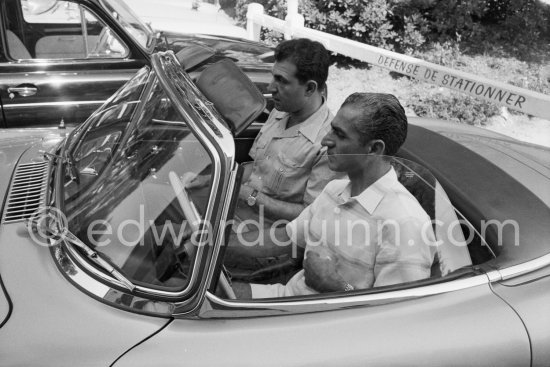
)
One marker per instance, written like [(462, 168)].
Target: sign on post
[(515, 98)]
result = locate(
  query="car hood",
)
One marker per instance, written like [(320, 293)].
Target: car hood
[(40, 310), (14, 143), (241, 51)]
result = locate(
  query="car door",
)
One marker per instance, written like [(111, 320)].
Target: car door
[(451, 318), (467, 327), (60, 64)]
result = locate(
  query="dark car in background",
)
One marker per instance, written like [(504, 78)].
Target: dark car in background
[(60, 60)]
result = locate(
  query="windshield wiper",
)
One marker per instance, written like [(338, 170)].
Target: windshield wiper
[(55, 230), (69, 237), (68, 159)]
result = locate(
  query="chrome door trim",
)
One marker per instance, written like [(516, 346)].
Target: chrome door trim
[(105, 292), (351, 300), (45, 104), (526, 267)]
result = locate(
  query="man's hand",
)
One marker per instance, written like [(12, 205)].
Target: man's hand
[(196, 182), (245, 192), (321, 273)]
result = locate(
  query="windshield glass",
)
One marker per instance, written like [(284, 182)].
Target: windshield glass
[(130, 22), (137, 197)]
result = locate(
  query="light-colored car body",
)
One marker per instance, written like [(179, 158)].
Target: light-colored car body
[(58, 307)]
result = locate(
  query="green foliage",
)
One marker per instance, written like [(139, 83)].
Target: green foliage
[(411, 36), (443, 32), (519, 18), (360, 20), (275, 8), (527, 19), (446, 53), (448, 18), (406, 25), (455, 107)]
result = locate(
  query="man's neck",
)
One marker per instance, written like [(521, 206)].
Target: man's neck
[(361, 179), (309, 109)]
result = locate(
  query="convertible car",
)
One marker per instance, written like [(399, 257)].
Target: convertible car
[(111, 255), (61, 59)]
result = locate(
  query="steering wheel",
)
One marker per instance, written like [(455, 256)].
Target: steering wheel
[(189, 211), (102, 41), (193, 218), (225, 286)]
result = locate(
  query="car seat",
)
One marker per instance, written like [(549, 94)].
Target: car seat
[(451, 252), (16, 47)]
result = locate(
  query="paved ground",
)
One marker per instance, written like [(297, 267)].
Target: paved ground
[(178, 16)]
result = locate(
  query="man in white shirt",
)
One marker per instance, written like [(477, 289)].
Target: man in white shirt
[(363, 231)]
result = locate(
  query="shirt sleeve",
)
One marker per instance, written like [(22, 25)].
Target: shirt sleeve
[(254, 148), (252, 152), (405, 253), (319, 177), (298, 228)]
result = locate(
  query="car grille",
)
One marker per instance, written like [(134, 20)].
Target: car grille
[(27, 192)]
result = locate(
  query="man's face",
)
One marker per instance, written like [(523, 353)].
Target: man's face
[(288, 94), (345, 150)]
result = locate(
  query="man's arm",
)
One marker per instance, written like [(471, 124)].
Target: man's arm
[(263, 243), (247, 170), (273, 208), (321, 274), (319, 177), (415, 255)]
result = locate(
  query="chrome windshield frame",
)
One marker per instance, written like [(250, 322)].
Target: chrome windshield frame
[(218, 142)]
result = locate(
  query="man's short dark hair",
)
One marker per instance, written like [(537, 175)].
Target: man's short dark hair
[(310, 57), (381, 117)]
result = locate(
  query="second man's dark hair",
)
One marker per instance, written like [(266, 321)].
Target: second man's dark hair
[(381, 117), (311, 58)]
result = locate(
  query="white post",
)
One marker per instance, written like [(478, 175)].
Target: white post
[(293, 19), (252, 27)]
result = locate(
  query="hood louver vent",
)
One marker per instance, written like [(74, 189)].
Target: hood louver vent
[(27, 192)]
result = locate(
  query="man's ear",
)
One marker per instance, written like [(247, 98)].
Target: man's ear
[(311, 87), (378, 147)]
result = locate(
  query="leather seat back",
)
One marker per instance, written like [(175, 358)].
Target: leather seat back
[(16, 48), (451, 253)]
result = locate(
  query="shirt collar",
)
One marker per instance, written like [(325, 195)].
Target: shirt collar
[(371, 197), (310, 127)]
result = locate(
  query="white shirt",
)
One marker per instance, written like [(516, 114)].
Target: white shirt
[(379, 237)]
